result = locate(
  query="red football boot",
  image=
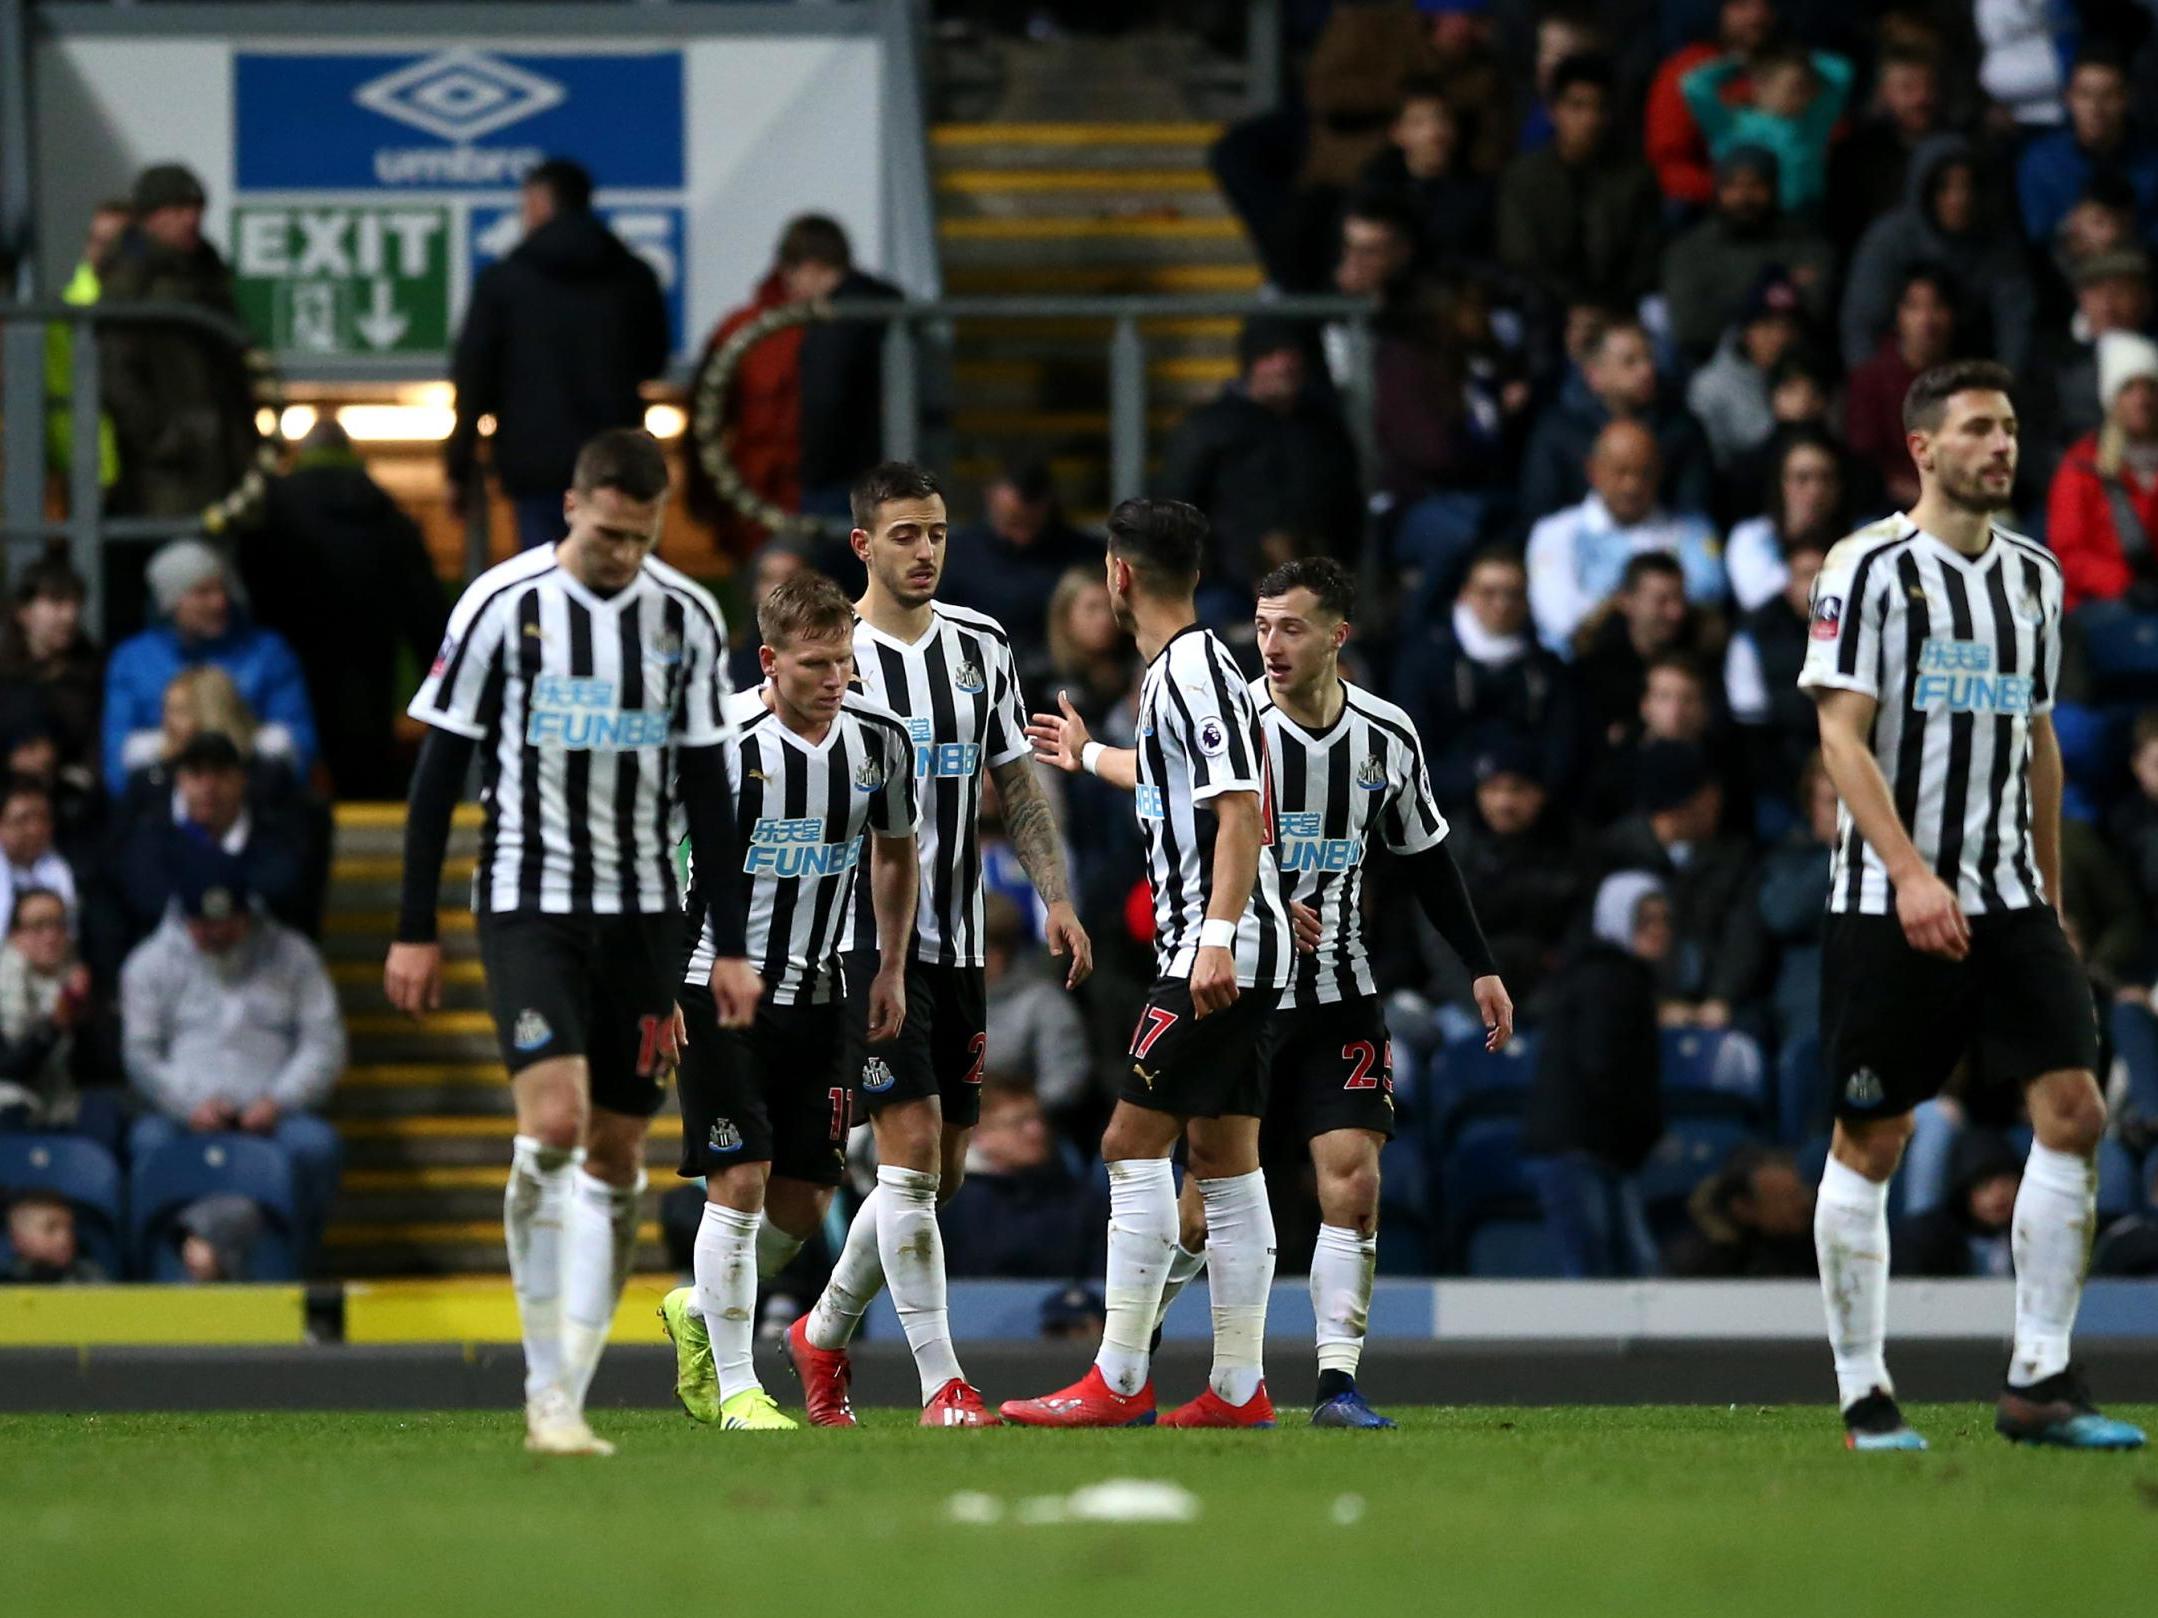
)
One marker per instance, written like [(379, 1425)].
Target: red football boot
[(1210, 1409), (1088, 1402), (959, 1404), (825, 1374)]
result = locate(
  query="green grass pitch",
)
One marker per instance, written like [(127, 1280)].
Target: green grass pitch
[(1663, 1511)]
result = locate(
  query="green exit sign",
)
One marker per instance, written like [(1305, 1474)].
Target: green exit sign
[(319, 279)]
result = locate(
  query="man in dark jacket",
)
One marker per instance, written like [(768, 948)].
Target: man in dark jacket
[(558, 339), (1480, 674), (842, 368), (342, 574), (1616, 381), (1709, 272), (1008, 564), (177, 397), (1718, 946), (1269, 462), (1760, 675)]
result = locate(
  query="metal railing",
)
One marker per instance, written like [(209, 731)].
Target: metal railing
[(906, 325), (24, 409)]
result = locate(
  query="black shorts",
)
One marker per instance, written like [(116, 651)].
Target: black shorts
[(1199, 1069), (768, 1093), (1895, 1022), (1329, 1067), (940, 1051), (600, 987)]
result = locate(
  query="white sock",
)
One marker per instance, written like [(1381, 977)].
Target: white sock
[(599, 1243), (1142, 1236), (1184, 1268), (856, 1279), (532, 1216), (1850, 1238), (1342, 1265), (1240, 1253), (912, 1249), (2052, 1244), (727, 1292), (775, 1249)]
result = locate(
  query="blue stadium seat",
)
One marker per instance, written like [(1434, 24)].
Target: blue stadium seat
[(2120, 1182), (1406, 1202), (2135, 1041), (1691, 1150), (79, 1170), (1467, 1082), (1513, 1249), (1713, 1073), (1482, 1181), (197, 1166), (1803, 1107)]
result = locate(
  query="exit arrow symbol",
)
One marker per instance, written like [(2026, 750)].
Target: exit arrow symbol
[(381, 325)]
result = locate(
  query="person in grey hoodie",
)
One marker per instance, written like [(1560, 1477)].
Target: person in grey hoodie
[(1945, 221), (229, 1023)]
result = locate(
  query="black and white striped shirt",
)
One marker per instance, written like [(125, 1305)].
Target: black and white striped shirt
[(578, 701), (1335, 790), (1200, 736), (803, 808), (957, 692), (1961, 653)]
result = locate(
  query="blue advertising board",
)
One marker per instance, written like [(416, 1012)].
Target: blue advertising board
[(461, 119)]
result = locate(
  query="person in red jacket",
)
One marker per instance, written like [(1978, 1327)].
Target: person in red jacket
[(1671, 139), (2102, 517)]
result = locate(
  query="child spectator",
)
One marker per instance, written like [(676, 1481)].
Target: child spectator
[(1426, 157), (41, 1236), (1671, 139), (1752, 1218), (2102, 515), (1731, 394), (44, 994), (1595, 1111), (1797, 99), (26, 845)]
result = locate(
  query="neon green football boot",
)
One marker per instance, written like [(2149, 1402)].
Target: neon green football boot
[(753, 1410), (696, 1380)]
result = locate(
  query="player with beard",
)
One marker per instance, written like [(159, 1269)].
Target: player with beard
[(1934, 658)]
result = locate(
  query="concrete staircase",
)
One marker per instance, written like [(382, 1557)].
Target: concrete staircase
[(1078, 207), (424, 1107)]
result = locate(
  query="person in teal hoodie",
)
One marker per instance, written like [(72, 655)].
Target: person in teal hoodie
[(1797, 99)]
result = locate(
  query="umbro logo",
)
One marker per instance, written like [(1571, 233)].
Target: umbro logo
[(460, 95)]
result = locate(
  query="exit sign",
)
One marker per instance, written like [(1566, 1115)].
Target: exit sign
[(344, 280)]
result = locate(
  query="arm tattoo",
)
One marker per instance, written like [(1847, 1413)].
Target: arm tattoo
[(1032, 829)]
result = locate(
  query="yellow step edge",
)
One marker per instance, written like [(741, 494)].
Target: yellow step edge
[(360, 973), (667, 1126), (1072, 134), (1049, 423), (1200, 368), (70, 1317), (403, 1075), (438, 1233), (467, 1309), (375, 816), (1015, 182), (1077, 229), (391, 868), (434, 1023), (349, 923), (427, 1177), (1122, 278)]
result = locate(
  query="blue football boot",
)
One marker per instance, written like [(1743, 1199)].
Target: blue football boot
[(1874, 1423), (2058, 1411), (1347, 1409)]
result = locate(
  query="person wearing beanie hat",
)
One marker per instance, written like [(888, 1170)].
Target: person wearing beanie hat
[(1731, 394), (196, 597), (2102, 512), (1709, 269), (182, 414)]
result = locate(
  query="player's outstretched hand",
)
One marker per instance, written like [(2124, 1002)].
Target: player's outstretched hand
[(887, 1004), (412, 978), (1932, 920), (736, 989), (1213, 981), (1497, 1009), (1304, 922), (1067, 937), (1059, 738)]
